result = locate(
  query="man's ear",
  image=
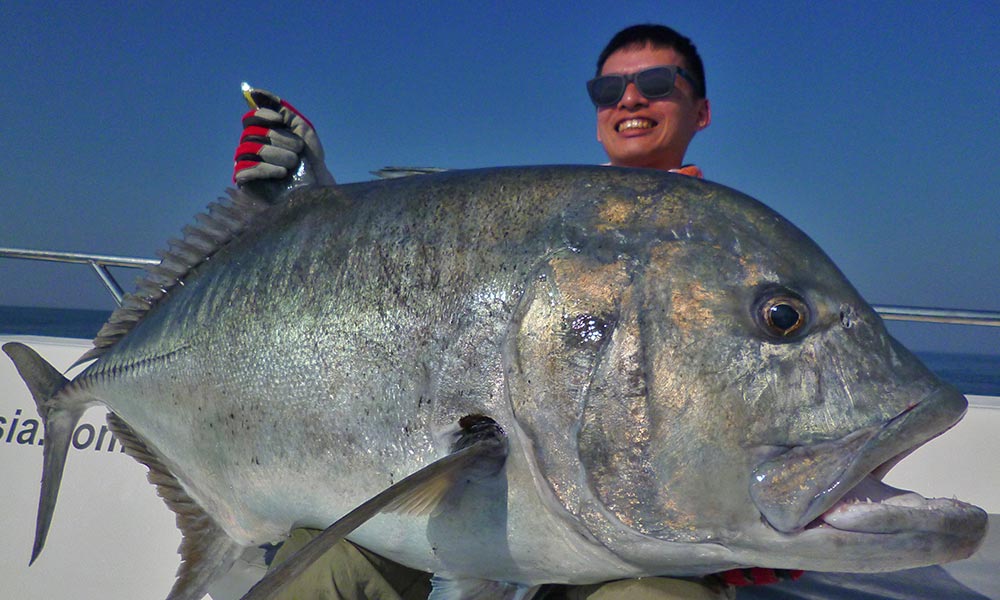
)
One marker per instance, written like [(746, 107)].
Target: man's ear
[(704, 114)]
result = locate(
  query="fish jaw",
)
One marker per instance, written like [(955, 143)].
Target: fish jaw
[(848, 499)]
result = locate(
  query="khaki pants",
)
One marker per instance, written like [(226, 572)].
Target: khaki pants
[(349, 572)]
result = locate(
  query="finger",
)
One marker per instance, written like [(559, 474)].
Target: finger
[(255, 133), (246, 171), (251, 154), (281, 138), (278, 156), (264, 117), (289, 108), (265, 99), (248, 151)]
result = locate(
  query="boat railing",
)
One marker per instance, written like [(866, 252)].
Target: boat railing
[(100, 263)]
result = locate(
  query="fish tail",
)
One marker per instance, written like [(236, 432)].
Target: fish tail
[(60, 413)]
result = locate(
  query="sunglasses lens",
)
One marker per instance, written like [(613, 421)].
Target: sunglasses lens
[(606, 90), (657, 82)]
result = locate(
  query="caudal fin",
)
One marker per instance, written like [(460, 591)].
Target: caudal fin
[(60, 413)]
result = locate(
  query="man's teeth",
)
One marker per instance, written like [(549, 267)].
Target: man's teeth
[(635, 124)]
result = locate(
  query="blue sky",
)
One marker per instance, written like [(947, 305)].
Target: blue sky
[(874, 126)]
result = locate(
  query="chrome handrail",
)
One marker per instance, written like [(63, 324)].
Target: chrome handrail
[(985, 318), (100, 262)]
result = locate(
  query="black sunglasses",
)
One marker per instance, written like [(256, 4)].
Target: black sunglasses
[(656, 82)]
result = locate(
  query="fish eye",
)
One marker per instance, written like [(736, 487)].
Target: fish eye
[(782, 314)]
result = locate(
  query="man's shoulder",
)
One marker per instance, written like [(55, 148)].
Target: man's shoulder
[(690, 170)]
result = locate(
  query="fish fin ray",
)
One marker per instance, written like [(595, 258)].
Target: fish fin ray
[(477, 453), (424, 499), (60, 408), (207, 552), (397, 172), (460, 588), (224, 221)]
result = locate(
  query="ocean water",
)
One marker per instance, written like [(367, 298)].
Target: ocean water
[(977, 374), (56, 322)]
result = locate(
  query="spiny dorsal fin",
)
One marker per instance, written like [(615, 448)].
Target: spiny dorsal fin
[(207, 552), (397, 172), (223, 222)]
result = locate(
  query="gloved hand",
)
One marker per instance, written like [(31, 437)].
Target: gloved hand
[(758, 576), (275, 138)]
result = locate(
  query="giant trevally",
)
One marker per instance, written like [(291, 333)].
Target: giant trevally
[(593, 373)]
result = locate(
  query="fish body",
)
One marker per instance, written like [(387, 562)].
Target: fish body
[(687, 384)]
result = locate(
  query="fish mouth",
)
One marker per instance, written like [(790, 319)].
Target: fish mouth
[(838, 483), (874, 507)]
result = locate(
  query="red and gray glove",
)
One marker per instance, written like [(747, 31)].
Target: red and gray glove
[(276, 138)]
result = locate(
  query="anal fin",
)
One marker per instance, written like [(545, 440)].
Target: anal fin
[(207, 552), (479, 449)]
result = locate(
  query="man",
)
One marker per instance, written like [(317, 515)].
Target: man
[(651, 129), (650, 98), (636, 130)]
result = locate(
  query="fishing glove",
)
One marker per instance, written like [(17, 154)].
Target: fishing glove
[(275, 138)]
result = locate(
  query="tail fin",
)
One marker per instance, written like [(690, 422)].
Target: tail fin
[(59, 413)]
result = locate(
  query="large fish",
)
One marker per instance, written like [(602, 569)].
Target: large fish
[(594, 373)]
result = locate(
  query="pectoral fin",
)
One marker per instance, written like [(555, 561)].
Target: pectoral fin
[(480, 448), (478, 589)]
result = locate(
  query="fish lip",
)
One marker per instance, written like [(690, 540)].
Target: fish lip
[(891, 510), (789, 495)]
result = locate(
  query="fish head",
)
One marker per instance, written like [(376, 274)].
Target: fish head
[(702, 388)]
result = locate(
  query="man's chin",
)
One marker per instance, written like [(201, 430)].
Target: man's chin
[(647, 160)]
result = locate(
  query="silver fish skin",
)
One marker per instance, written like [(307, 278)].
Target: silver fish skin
[(688, 384)]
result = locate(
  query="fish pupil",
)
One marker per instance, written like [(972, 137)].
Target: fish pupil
[(784, 316)]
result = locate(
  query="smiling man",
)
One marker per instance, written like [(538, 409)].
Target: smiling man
[(650, 98)]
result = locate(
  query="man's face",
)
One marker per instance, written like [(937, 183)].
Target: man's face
[(639, 132)]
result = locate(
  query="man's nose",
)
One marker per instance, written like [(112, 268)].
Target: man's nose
[(632, 97)]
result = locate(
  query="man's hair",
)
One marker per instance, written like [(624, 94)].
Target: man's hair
[(657, 36)]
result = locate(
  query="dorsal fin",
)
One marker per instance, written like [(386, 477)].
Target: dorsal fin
[(223, 222), (207, 552)]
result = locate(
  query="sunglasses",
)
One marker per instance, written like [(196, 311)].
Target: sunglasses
[(656, 82)]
